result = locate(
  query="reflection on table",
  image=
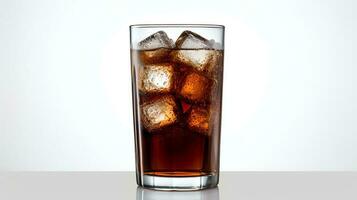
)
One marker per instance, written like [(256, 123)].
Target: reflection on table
[(146, 194)]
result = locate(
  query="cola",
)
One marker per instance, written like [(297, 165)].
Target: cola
[(177, 94)]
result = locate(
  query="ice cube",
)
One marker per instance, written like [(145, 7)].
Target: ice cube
[(195, 87), (159, 113), (156, 40), (156, 78), (198, 119), (191, 40), (196, 51), (155, 46)]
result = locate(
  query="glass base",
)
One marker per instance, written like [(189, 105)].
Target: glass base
[(179, 183)]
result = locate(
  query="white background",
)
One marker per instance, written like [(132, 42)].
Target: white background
[(290, 97)]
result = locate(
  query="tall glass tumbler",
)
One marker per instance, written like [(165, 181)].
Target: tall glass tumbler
[(177, 76)]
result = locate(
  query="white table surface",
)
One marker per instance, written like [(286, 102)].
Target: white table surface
[(233, 185)]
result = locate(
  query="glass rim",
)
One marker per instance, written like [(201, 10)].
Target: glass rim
[(177, 26)]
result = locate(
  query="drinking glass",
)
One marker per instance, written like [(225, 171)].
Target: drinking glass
[(177, 78)]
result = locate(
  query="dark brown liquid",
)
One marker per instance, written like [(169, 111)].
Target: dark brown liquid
[(189, 146)]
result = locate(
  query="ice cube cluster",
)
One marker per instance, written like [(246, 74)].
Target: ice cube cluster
[(177, 94)]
